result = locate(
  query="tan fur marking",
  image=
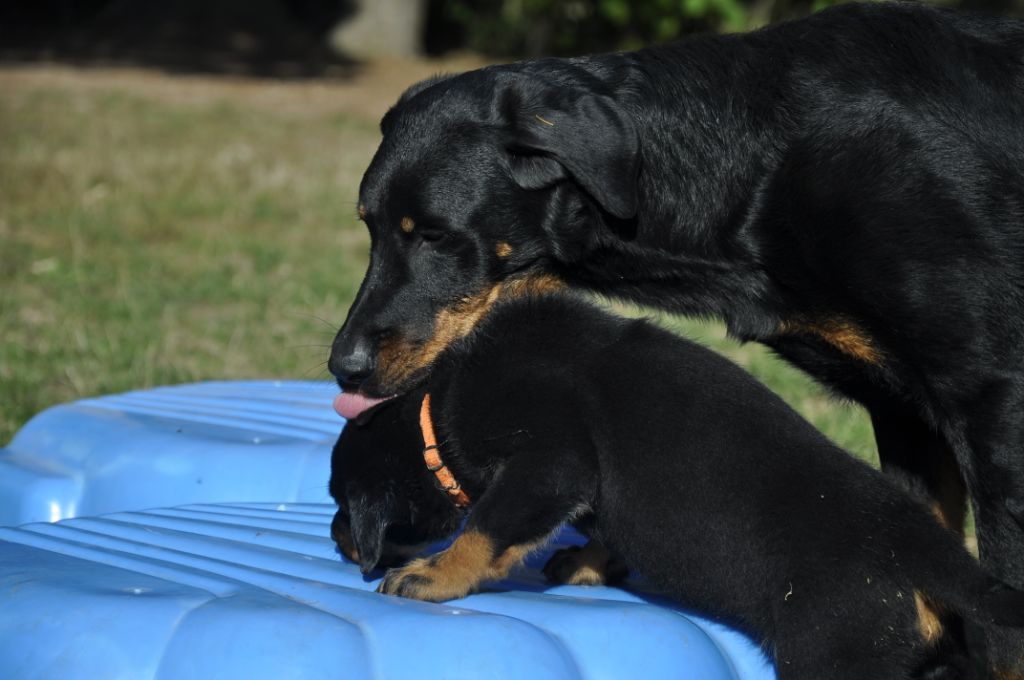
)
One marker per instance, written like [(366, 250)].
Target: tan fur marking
[(1000, 674), (929, 624), (455, 572), (344, 541), (936, 508), (462, 567), (400, 360), (841, 333), (361, 209), (503, 249), (407, 224), (531, 285), (590, 564), (511, 558)]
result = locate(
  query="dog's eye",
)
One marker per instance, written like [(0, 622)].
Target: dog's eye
[(431, 234)]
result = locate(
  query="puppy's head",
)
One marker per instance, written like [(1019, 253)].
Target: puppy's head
[(388, 506), (483, 184)]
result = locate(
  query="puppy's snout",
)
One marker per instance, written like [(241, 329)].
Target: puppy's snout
[(353, 364)]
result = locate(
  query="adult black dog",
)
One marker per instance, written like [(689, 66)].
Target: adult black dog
[(847, 188), (689, 469)]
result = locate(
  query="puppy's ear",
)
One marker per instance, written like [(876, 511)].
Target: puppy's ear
[(561, 133), (368, 524)]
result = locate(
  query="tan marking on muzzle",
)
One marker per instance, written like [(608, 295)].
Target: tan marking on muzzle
[(343, 539), (398, 360), (361, 209)]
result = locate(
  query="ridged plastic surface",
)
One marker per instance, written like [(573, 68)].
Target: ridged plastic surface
[(226, 589), (258, 591), (239, 441)]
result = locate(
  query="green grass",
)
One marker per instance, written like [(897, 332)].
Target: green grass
[(148, 242), (145, 244)]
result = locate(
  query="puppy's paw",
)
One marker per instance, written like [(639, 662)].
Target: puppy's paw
[(424, 579), (591, 565)]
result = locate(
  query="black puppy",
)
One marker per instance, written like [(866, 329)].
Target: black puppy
[(699, 477), (847, 188)]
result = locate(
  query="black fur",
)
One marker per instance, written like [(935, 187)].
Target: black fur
[(862, 168), (693, 472)]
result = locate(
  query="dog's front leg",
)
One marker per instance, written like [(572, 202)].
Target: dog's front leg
[(471, 560), (516, 515)]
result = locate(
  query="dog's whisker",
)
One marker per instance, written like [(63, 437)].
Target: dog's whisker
[(318, 367), (310, 315)]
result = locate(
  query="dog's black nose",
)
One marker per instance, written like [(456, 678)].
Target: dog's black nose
[(354, 366)]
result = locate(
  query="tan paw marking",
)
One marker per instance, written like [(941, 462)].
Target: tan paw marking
[(455, 572), (591, 565)]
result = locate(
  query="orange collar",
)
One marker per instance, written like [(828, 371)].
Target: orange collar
[(432, 457)]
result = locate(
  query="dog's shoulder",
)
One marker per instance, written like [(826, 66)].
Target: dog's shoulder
[(540, 327), (567, 338)]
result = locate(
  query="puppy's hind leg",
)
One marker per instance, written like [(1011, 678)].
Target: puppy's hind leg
[(836, 625), (590, 565)]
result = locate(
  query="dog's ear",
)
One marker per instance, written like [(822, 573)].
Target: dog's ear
[(568, 133), (369, 522)]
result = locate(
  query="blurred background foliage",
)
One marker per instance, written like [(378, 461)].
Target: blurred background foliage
[(313, 38), (540, 27), (528, 28)]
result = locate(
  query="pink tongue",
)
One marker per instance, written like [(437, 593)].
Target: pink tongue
[(350, 404)]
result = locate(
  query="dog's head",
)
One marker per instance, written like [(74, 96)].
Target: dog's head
[(484, 183), (389, 507)]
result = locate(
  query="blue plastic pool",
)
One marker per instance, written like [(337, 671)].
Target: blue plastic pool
[(181, 562)]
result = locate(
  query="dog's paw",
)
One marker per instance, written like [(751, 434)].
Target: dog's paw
[(591, 565), (423, 579)]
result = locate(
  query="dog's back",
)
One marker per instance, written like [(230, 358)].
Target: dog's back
[(715, 489)]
